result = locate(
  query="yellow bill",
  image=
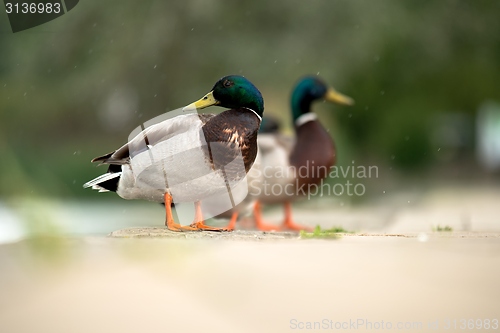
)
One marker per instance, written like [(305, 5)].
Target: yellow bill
[(206, 101), (334, 96)]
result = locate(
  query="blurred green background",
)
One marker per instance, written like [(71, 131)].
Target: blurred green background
[(419, 71)]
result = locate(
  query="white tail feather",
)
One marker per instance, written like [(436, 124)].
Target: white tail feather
[(99, 188), (94, 183)]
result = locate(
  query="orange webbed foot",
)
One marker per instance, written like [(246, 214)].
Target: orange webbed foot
[(201, 226), (199, 222), (262, 226), (169, 220), (178, 227), (289, 223), (259, 223), (232, 222)]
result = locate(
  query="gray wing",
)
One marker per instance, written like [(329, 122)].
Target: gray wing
[(152, 135)]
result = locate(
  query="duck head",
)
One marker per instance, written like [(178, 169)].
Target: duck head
[(310, 89), (234, 92)]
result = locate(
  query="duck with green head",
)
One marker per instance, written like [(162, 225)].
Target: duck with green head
[(289, 167), (176, 161)]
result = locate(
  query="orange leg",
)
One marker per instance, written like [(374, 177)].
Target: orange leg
[(288, 223), (199, 223), (169, 221), (261, 225), (232, 222)]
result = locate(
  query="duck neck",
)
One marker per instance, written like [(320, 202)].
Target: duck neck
[(301, 107)]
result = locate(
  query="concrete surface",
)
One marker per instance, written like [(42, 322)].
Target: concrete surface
[(393, 274), (216, 285)]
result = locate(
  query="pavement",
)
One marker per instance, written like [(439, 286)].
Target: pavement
[(394, 273)]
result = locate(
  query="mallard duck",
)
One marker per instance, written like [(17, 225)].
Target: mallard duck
[(291, 164), (296, 164), (190, 157)]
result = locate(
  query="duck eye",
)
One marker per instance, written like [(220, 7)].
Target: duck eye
[(227, 83)]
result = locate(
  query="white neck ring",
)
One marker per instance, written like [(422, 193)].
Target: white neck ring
[(306, 117)]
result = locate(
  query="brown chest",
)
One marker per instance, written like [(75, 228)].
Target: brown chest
[(314, 153), (232, 135)]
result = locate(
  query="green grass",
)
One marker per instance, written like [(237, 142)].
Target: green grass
[(332, 233), (446, 228)]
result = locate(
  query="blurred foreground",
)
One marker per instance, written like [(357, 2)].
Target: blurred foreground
[(64, 278), (151, 285)]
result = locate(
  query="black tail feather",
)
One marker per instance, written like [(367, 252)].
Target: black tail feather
[(111, 184)]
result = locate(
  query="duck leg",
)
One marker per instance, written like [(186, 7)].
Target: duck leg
[(289, 223), (169, 221), (232, 222), (199, 222), (259, 223)]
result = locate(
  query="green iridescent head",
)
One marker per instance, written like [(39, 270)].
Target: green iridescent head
[(310, 89), (233, 91)]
